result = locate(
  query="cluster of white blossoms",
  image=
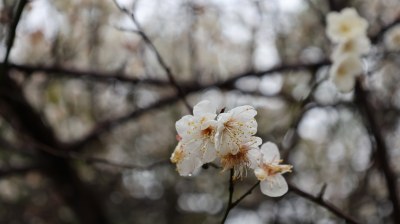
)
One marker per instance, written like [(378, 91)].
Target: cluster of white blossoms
[(229, 136), (349, 32)]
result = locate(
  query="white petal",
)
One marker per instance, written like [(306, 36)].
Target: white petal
[(243, 113), (210, 154), (223, 117), (184, 125), (274, 186), (203, 107), (254, 156), (270, 152), (210, 122), (344, 84), (225, 144), (188, 166), (256, 141)]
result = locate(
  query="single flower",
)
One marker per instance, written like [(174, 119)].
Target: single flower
[(345, 25), (392, 39), (270, 171), (197, 133), (344, 71), (247, 157), (233, 128), (357, 46)]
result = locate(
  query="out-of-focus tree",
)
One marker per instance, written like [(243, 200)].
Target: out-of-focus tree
[(90, 91)]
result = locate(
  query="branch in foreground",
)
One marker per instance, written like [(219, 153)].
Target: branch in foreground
[(382, 150), (13, 28)]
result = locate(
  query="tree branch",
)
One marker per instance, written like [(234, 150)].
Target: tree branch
[(382, 150), (13, 28), (231, 190), (160, 59), (321, 202), (108, 125), (99, 76)]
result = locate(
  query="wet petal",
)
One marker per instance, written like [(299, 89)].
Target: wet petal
[(274, 186), (188, 166)]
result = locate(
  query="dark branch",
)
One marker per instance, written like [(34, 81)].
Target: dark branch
[(13, 28), (160, 59), (231, 190), (321, 202), (99, 76), (382, 150), (227, 84)]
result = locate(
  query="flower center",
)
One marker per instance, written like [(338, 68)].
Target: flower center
[(239, 161), (273, 169), (344, 28), (208, 132)]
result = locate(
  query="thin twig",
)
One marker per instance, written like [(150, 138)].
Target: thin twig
[(160, 59), (248, 192), (321, 202), (13, 28), (231, 190)]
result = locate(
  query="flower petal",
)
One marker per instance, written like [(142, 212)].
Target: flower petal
[(185, 126), (243, 113), (188, 166), (270, 152), (203, 107), (274, 186)]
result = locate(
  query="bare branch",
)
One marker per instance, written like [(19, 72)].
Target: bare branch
[(321, 202), (382, 150), (99, 76), (160, 59), (13, 28), (108, 125), (231, 190)]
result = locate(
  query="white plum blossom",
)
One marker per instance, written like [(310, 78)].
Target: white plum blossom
[(357, 46), (186, 163), (392, 39), (270, 171), (344, 71), (197, 133), (235, 127), (247, 156), (349, 31), (345, 25), (204, 136)]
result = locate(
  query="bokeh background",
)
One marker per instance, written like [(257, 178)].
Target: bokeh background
[(88, 124)]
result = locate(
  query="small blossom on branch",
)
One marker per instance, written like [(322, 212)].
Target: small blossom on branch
[(345, 25), (392, 39), (270, 171), (349, 32)]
